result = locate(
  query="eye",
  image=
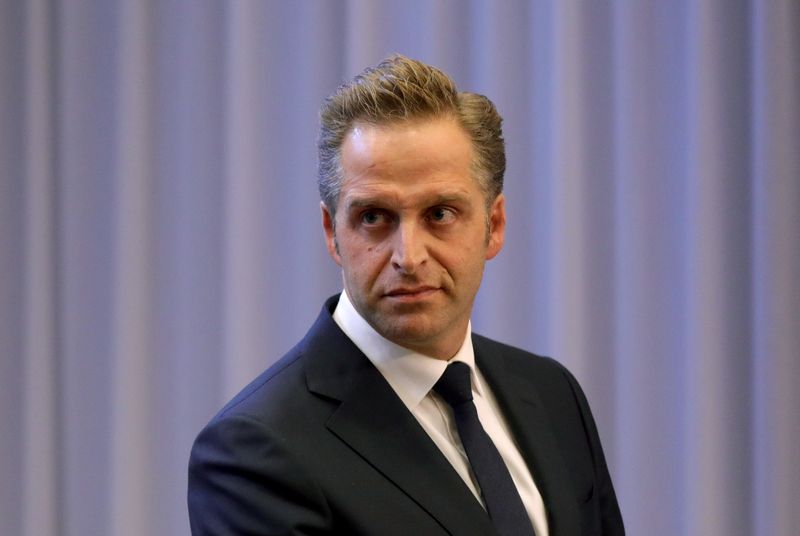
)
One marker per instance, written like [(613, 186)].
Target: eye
[(441, 215), (373, 217)]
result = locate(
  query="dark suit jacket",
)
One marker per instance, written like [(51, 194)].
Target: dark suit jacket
[(320, 444)]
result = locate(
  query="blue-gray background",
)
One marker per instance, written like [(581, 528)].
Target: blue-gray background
[(160, 240)]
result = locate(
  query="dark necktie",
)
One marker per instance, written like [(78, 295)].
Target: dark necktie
[(500, 495)]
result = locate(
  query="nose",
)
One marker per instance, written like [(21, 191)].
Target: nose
[(409, 249)]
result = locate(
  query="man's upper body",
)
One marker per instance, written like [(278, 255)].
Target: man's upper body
[(321, 444), (345, 434)]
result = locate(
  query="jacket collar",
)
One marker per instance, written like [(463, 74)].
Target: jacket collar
[(373, 421), (518, 398)]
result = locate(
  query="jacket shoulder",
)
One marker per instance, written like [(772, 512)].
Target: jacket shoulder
[(270, 389), (517, 357)]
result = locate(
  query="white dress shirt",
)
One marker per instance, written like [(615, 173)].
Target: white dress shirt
[(413, 375)]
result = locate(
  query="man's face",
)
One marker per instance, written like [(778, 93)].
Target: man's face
[(412, 231)]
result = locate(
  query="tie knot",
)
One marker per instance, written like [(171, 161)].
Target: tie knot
[(455, 385)]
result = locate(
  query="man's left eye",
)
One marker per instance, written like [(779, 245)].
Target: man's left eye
[(442, 215)]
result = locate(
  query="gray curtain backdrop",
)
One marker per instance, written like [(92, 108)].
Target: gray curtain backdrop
[(160, 240)]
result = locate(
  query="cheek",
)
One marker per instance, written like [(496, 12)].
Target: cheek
[(365, 260), (464, 262), (459, 255), (365, 250)]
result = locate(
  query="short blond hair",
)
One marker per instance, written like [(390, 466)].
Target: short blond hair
[(402, 89)]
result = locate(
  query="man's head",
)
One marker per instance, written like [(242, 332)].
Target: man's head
[(412, 206), (402, 89)]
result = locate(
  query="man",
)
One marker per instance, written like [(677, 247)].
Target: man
[(390, 416)]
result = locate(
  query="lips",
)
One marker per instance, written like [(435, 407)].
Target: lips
[(411, 293)]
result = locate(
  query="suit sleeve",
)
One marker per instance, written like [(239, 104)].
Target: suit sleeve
[(611, 517), (244, 479)]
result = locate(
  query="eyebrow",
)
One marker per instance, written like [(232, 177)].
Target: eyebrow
[(381, 201)]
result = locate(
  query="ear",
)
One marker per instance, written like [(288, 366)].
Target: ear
[(497, 227), (329, 227)]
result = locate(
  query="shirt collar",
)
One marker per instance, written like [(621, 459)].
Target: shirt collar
[(411, 374)]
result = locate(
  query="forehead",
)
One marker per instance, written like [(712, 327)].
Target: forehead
[(432, 157)]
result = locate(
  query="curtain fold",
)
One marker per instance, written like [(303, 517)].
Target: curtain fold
[(160, 238), (775, 285), (37, 424)]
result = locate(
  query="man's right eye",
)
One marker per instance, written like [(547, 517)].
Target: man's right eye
[(372, 217)]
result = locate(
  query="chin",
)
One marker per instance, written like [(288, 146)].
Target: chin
[(407, 334)]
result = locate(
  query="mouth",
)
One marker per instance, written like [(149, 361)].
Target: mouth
[(411, 294)]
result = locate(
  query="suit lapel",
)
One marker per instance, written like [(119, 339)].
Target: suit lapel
[(373, 421), (531, 427)]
